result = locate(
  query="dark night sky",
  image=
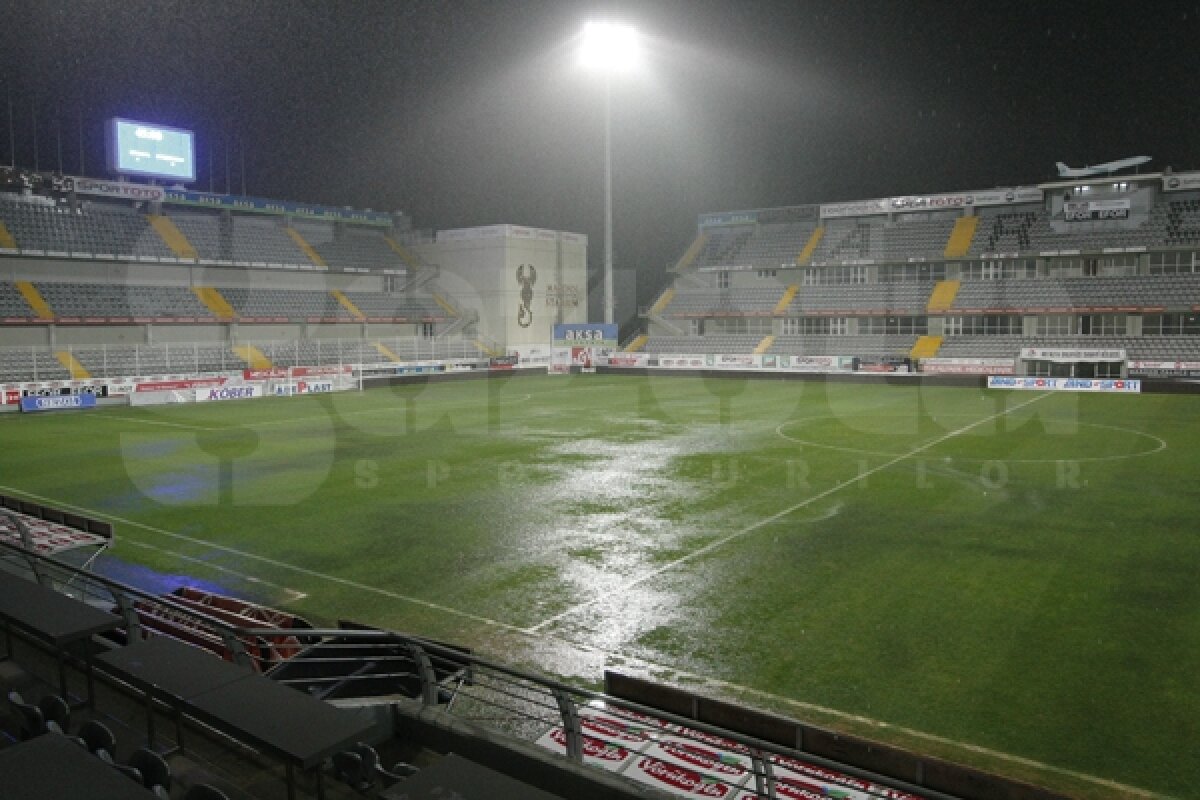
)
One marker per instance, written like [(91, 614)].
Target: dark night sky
[(472, 112)]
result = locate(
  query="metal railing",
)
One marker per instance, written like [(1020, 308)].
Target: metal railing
[(514, 703)]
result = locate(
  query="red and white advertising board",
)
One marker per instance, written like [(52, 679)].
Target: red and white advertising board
[(676, 779), (967, 366)]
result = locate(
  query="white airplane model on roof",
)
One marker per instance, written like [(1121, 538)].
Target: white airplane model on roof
[(1106, 168)]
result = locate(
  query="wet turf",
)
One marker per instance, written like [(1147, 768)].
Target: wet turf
[(1012, 571)]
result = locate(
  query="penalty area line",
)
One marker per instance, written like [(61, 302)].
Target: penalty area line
[(738, 534)]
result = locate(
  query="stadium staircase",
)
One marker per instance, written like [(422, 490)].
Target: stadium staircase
[(926, 347), (405, 254), (420, 276), (638, 343), (689, 256), (446, 305), (348, 304), (765, 344), (489, 350), (35, 300), (788, 296), (72, 365), (173, 237), (961, 237), (387, 352), (655, 312), (810, 247), (306, 248), (943, 295), (253, 357), (663, 301), (215, 302), (463, 317), (6, 239)]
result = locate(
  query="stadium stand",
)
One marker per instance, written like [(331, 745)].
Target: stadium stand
[(858, 239), (349, 247), (715, 302), (92, 230), (120, 301), (981, 282), (975, 282), (1148, 291), (905, 298)]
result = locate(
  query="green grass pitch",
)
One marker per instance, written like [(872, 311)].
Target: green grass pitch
[(1018, 573)]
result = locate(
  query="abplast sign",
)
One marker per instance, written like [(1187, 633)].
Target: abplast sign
[(227, 393)]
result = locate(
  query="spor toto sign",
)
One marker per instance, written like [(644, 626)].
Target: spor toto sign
[(227, 393)]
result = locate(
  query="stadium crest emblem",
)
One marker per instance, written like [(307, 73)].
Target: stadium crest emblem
[(525, 303)]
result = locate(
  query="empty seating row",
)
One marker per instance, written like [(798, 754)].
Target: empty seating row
[(700, 302), (39, 224), (88, 231), (363, 249), (1166, 291), (25, 364), (910, 298), (133, 301)]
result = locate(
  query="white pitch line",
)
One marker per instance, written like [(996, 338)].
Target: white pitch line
[(273, 562), (296, 594), (724, 540), (114, 418)]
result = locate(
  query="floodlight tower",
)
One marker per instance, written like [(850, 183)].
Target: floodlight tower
[(610, 48)]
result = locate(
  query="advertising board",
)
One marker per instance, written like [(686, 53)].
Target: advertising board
[(62, 402), (221, 393), (1121, 385)]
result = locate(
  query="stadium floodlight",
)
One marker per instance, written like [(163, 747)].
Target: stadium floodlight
[(610, 48)]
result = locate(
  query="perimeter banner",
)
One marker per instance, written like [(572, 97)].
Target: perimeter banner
[(1071, 354), (121, 189), (585, 334), (228, 393), (60, 402), (1181, 182), (968, 366), (1122, 385), (1087, 210)]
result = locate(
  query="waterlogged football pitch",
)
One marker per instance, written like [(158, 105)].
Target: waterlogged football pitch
[(1006, 579)]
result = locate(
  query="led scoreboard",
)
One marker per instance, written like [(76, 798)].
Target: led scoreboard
[(152, 151)]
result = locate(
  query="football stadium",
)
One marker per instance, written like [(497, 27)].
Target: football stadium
[(878, 497)]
